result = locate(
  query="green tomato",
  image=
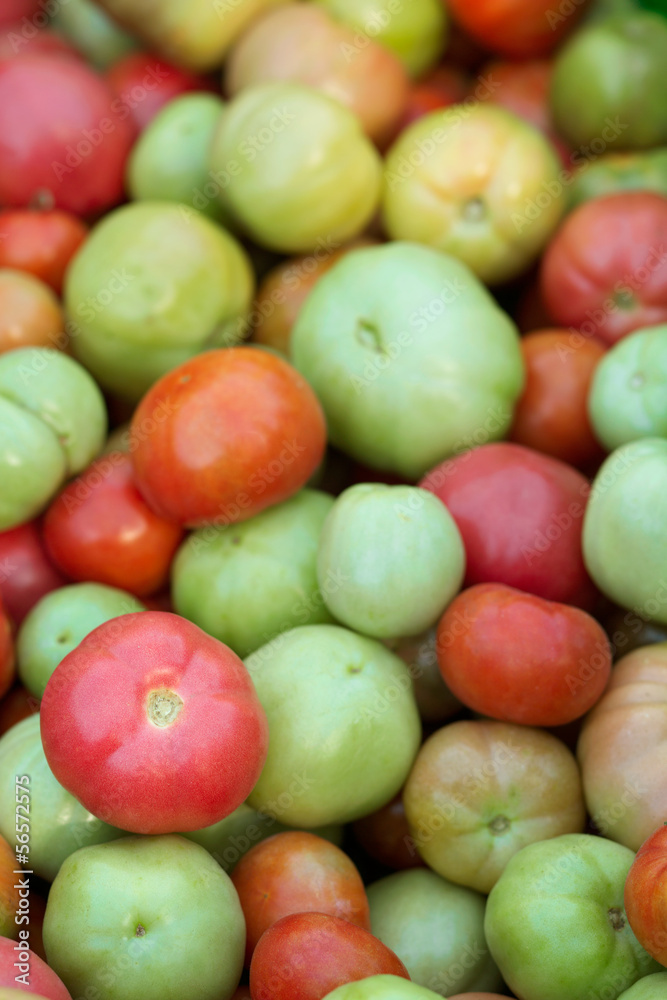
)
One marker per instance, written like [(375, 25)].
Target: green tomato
[(58, 623), (149, 918), (628, 394), (169, 159), (382, 988), (436, 929), (154, 284), (649, 988), (390, 559), (625, 528), (59, 825), (245, 583), (294, 168), (92, 32), (415, 31), (410, 356), (555, 921), (32, 465), (343, 721), (607, 83), (619, 172)]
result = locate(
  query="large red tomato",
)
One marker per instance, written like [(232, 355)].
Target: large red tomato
[(61, 135), (144, 83), (42, 243), (26, 574), (37, 977), (646, 895), (520, 514), (100, 528), (517, 28), (518, 658), (177, 737), (14, 10), (605, 271), (225, 435)]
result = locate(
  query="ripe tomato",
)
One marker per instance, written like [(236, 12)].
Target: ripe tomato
[(26, 574), (30, 314), (224, 436), (15, 42), (7, 661), (42, 243), (518, 28), (518, 658), (144, 83), (646, 895), (178, 737), (14, 10), (101, 529), (520, 514), (9, 891), (43, 980), (552, 414), (297, 872), (605, 271)]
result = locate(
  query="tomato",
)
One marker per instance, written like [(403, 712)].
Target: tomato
[(440, 88), (519, 658), (17, 704), (297, 872), (14, 10), (385, 835), (517, 28), (30, 314), (646, 895), (9, 894), (639, 171), (42, 243), (26, 573), (43, 980), (226, 435), (307, 955), (605, 271), (15, 42), (144, 83), (520, 514), (60, 134), (7, 660), (179, 736), (101, 529), (552, 414)]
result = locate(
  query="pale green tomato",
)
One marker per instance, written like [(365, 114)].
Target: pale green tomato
[(390, 559), (154, 284), (169, 160), (382, 988), (145, 918), (436, 929), (410, 356), (649, 988), (628, 395), (625, 528), (32, 465), (58, 623), (555, 922), (294, 168), (478, 182), (59, 825), (343, 721), (92, 32), (245, 583), (416, 30)]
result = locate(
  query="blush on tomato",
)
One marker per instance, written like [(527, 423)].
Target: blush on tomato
[(224, 436), (43, 980), (177, 738), (26, 573), (519, 658), (646, 895), (518, 28), (30, 313), (144, 83), (41, 243)]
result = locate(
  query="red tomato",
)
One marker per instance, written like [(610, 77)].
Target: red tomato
[(43, 980), (15, 41), (520, 514), (144, 83), (42, 243), (100, 528), (518, 658), (605, 271), (307, 955), (178, 737), (385, 835), (646, 895), (297, 872), (440, 88), (552, 414), (26, 574), (7, 662), (60, 133), (225, 435), (18, 704), (517, 28), (14, 10)]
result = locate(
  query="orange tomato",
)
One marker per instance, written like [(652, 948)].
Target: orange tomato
[(30, 314), (42, 243), (518, 28)]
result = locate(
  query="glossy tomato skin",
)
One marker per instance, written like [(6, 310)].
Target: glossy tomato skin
[(646, 895), (61, 135), (144, 83), (42, 243), (224, 436), (100, 528), (520, 514), (605, 271), (308, 955), (518, 658), (178, 738), (26, 573), (518, 28)]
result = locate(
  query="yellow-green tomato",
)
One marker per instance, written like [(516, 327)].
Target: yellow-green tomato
[(653, 987), (396, 557), (477, 182), (294, 168), (382, 988)]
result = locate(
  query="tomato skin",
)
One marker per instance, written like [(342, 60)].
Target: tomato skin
[(520, 514), (43, 980), (14, 43), (7, 659), (30, 313), (26, 574), (318, 953), (517, 28), (646, 895), (518, 658), (14, 10), (605, 271), (42, 243), (181, 774), (145, 83), (552, 414), (232, 431), (440, 88), (101, 529)]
